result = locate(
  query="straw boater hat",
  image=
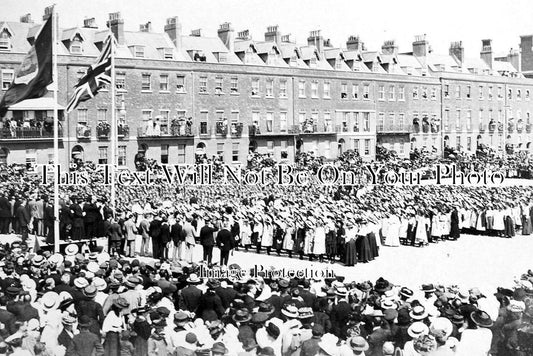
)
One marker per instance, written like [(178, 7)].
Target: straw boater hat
[(418, 313), (71, 250), (417, 329), (50, 301), (328, 345), (193, 278), (358, 343)]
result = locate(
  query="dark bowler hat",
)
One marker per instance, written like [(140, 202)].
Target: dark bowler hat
[(242, 316)]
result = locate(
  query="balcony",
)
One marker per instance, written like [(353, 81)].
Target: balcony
[(204, 131), (510, 128), (103, 130), (394, 129), (482, 128), (83, 132), (29, 133), (528, 128), (174, 132), (307, 129), (236, 129), (254, 130), (123, 131)]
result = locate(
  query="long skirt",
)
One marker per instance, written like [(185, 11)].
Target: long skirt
[(141, 346), (527, 228), (331, 243), (362, 246), (374, 249), (509, 226), (112, 344), (350, 253)]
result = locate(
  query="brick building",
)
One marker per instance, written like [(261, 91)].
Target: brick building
[(180, 95)]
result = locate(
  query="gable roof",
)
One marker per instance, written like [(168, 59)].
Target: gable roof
[(19, 34)]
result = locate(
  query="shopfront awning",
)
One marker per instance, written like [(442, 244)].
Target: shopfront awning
[(36, 104)]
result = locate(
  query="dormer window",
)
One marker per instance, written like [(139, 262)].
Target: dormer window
[(222, 57), (294, 60), (166, 53), (75, 47), (338, 63), (138, 51), (5, 41)]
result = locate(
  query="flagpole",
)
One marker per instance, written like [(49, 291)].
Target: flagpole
[(113, 128), (56, 130)]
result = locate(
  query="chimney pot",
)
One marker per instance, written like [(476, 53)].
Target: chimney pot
[(116, 25), (196, 33), (227, 35), (26, 18)]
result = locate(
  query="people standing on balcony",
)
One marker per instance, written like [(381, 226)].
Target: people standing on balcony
[(157, 126), (149, 127)]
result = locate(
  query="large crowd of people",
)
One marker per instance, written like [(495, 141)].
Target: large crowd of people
[(98, 304), (149, 299)]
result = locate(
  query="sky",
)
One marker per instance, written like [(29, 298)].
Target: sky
[(375, 21)]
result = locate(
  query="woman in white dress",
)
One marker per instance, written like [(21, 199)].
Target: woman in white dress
[(392, 238), (246, 233), (436, 231), (421, 235), (319, 242), (309, 236), (268, 235), (404, 226), (288, 242), (499, 223)]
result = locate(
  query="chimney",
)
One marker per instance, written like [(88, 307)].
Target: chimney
[(421, 46), (458, 51), (116, 25), (515, 59), (354, 44), (147, 27), (26, 19), (327, 43), (389, 47), (90, 23), (316, 39), (173, 30), (486, 52), (273, 34), (287, 38), (48, 12), (226, 33), (243, 35), (196, 33)]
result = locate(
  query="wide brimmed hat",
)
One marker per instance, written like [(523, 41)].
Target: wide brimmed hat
[(358, 343), (71, 250), (328, 345), (481, 318), (290, 311), (272, 330), (121, 303), (242, 316), (441, 327), (516, 306), (406, 292), (68, 320), (305, 312), (50, 301), (99, 283), (80, 282), (193, 278), (418, 313), (428, 288), (388, 304), (417, 329), (90, 291), (219, 348), (266, 308)]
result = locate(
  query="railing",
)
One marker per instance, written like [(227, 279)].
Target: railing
[(317, 129), (492, 128), (83, 132), (173, 132), (254, 130), (236, 129), (394, 129), (102, 133), (528, 128), (123, 130), (27, 133), (482, 128), (510, 128)]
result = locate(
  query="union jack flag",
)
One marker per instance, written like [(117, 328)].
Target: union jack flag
[(97, 76)]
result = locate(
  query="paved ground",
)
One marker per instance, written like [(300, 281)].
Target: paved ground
[(473, 260)]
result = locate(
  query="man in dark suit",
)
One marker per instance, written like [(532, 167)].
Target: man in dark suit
[(340, 314), (224, 243), (226, 293), (175, 237), (165, 238), (7, 318), (207, 240), (91, 216), (48, 220), (23, 219), (115, 235), (5, 214), (155, 235), (189, 297)]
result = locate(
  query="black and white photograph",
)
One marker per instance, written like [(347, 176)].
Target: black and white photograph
[(266, 178)]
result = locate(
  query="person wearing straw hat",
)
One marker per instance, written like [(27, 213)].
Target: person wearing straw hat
[(477, 338), (189, 297), (113, 325), (415, 330), (328, 346)]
